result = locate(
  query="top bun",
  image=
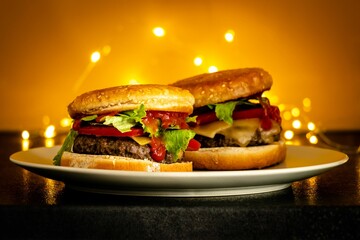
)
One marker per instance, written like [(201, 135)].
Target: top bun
[(212, 88), (129, 97)]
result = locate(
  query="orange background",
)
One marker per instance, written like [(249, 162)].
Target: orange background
[(311, 48)]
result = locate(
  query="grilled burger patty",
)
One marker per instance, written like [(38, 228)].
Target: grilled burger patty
[(125, 147), (221, 141)]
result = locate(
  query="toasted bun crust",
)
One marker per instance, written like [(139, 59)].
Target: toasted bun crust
[(70, 159), (211, 88), (237, 158), (129, 97)]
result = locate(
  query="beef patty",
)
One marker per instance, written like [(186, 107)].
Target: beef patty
[(221, 141), (125, 147)]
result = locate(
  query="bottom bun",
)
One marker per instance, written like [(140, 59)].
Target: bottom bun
[(237, 158), (70, 159)]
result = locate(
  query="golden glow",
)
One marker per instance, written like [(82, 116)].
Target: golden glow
[(287, 115), (65, 122), (281, 107), (306, 102), (25, 143), (212, 69), (95, 57), (134, 82), (296, 124), (295, 112), (49, 131), (311, 126), (272, 98), (106, 50), (25, 135), (288, 134), (229, 36), (198, 61), (46, 120), (159, 32)]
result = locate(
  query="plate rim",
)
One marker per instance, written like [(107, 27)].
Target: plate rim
[(265, 171), (178, 184)]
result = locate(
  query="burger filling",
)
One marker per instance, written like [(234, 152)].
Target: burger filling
[(152, 135), (244, 122)]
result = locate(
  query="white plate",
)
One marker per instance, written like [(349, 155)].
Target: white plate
[(301, 163)]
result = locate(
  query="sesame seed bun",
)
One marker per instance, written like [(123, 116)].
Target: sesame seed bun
[(129, 97), (212, 88)]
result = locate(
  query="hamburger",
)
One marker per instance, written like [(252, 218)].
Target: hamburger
[(236, 126), (130, 127)]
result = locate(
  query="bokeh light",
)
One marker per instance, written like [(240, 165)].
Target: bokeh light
[(49, 131), (288, 134), (198, 61), (159, 32), (212, 69), (65, 122), (95, 57), (25, 135), (296, 124), (229, 36)]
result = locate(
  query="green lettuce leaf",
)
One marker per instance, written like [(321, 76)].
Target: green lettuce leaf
[(177, 140), (191, 119), (126, 120), (89, 118), (225, 110), (67, 146)]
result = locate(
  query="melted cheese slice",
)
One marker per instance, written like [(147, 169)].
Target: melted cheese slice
[(142, 140), (241, 131)]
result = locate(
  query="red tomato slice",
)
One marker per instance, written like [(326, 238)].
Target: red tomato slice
[(241, 114), (109, 131), (193, 145), (250, 113)]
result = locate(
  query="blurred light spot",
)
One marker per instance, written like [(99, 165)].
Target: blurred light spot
[(25, 143), (159, 32), (95, 57), (295, 112), (212, 69), (65, 122), (311, 126), (133, 82), (198, 61), (288, 134), (313, 139), (106, 50), (49, 132), (296, 124), (229, 36), (287, 115), (49, 142), (46, 120), (281, 107), (25, 135), (306, 102)]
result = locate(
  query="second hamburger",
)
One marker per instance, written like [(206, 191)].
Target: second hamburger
[(237, 127)]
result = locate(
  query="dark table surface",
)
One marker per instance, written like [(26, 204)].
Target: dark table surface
[(326, 206)]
